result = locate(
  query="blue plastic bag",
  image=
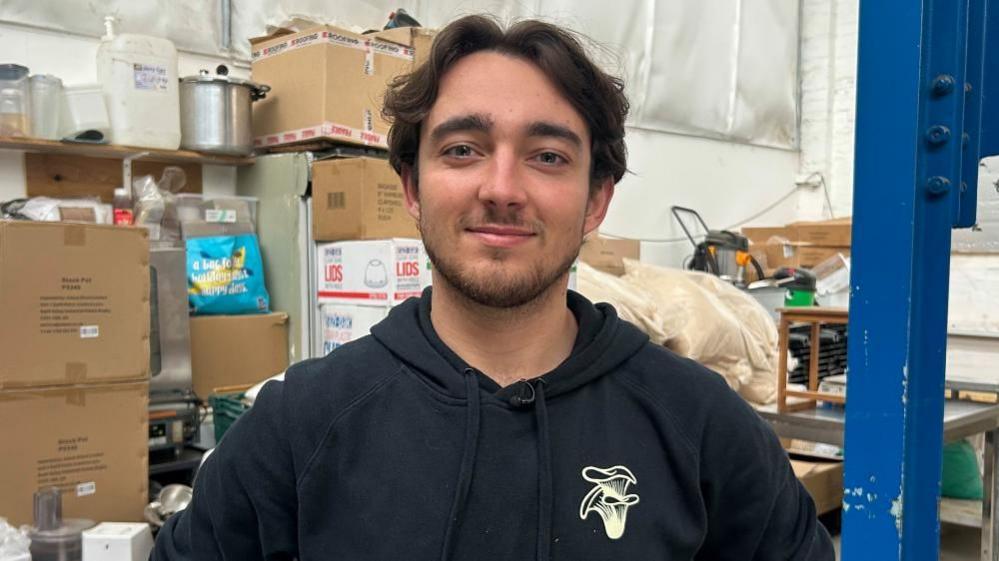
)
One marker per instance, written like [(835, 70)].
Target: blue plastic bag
[(225, 275)]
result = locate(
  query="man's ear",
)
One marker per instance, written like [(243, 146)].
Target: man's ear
[(410, 186), (597, 205)]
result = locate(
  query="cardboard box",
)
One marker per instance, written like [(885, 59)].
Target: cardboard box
[(342, 323), (763, 235), (419, 38), (327, 82), (829, 233), (372, 272), (795, 254), (823, 480), (237, 350), (801, 244), (358, 199), (74, 304), (90, 441), (605, 254)]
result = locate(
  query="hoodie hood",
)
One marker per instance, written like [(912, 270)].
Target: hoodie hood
[(602, 343)]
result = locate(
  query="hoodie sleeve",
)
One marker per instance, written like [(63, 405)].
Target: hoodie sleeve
[(756, 507), (245, 503)]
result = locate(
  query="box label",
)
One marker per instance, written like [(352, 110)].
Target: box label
[(338, 329), (220, 216), (63, 314), (86, 489), (150, 77), (380, 272), (391, 202), (407, 272), (369, 63), (343, 324), (65, 471)]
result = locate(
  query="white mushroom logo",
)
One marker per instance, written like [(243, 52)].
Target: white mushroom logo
[(609, 498)]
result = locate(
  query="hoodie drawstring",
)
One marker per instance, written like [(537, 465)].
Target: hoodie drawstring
[(536, 397), (545, 488), (545, 491), (467, 462)]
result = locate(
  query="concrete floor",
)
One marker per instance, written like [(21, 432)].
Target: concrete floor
[(957, 543)]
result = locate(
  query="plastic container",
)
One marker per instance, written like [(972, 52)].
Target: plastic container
[(138, 74), (52, 537), (46, 106), (84, 115), (122, 207), (227, 407), (15, 101)]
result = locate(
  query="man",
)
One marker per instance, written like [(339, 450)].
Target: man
[(498, 416)]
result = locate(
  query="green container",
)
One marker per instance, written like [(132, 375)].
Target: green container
[(226, 408), (795, 298)]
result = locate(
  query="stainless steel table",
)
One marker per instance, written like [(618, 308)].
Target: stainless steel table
[(961, 419)]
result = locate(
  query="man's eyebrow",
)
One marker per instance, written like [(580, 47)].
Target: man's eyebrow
[(544, 128), (473, 122)]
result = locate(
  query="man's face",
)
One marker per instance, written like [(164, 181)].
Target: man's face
[(503, 198)]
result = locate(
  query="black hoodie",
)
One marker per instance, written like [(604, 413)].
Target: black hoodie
[(392, 447)]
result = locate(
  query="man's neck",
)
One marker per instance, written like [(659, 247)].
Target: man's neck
[(506, 344)]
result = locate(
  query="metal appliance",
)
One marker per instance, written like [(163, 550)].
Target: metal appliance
[(170, 331), (721, 252), (174, 412)]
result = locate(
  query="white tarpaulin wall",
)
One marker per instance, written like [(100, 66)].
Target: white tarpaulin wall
[(192, 25), (725, 69)]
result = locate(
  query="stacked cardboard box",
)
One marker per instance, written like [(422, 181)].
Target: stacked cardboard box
[(329, 83), (360, 280), (74, 379), (799, 244), (369, 256)]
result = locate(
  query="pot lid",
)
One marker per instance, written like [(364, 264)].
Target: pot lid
[(221, 76), (12, 71)]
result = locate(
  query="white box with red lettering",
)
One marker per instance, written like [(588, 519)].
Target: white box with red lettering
[(371, 272), (340, 324)]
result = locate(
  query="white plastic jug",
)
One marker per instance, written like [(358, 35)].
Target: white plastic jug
[(138, 74)]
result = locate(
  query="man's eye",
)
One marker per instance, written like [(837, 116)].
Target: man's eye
[(459, 151), (550, 158)]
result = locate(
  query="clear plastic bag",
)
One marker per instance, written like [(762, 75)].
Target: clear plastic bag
[(155, 204), (14, 543)]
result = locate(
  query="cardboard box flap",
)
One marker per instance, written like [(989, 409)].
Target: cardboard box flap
[(281, 36), (404, 36), (277, 32), (292, 25)]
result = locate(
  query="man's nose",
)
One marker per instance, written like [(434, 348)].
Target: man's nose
[(503, 187)]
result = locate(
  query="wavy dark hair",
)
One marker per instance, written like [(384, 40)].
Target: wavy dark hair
[(597, 96)]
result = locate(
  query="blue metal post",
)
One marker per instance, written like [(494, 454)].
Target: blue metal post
[(910, 107)]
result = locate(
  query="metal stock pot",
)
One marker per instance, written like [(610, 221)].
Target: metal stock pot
[(215, 112)]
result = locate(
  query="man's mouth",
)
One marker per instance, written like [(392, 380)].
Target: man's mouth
[(501, 236)]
